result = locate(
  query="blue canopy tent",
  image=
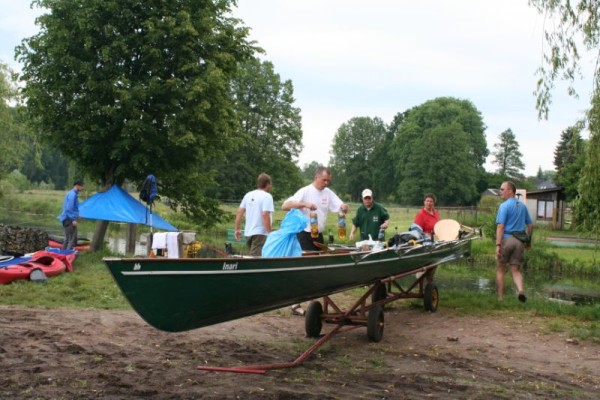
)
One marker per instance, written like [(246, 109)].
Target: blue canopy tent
[(119, 206)]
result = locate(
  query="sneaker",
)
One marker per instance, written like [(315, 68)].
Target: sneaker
[(522, 298)]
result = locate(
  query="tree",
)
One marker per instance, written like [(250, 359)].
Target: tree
[(574, 26), (382, 162), (12, 133), (569, 159), (352, 151), (587, 204), (128, 87), (268, 133), (440, 148), (508, 157)]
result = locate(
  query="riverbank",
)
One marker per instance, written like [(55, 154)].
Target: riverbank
[(73, 354)]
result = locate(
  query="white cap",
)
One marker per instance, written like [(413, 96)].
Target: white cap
[(367, 193)]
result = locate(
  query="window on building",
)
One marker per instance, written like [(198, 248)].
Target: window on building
[(544, 209)]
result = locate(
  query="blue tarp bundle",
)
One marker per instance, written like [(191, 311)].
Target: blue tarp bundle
[(283, 242), (119, 206)]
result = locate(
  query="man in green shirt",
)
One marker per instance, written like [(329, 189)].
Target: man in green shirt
[(370, 218)]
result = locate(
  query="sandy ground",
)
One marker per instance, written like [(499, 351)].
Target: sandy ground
[(88, 354)]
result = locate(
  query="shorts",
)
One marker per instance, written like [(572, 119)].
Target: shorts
[(255, 244), (512, 251)]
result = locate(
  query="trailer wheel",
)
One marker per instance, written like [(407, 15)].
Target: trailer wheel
[(375, 323), (312, 320), (379, 294), (431, 297)]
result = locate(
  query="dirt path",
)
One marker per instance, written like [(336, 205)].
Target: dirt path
[(88, 354)]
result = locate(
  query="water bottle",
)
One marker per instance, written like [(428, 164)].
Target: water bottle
[(381, 236), (330, 237), (342, 225), (314, 225)]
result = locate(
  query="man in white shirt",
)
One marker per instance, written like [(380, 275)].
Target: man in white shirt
[(258, 207), (315, 197)]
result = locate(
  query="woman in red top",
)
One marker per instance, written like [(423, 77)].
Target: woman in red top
[(428, 216)]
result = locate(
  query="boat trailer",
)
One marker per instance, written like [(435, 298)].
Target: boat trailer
[(367, 312)]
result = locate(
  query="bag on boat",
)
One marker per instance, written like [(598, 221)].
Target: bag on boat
[(414, 234), (522, 236), (283, 242)]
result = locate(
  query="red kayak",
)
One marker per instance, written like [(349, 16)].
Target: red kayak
[(57, 242), (50, 263)]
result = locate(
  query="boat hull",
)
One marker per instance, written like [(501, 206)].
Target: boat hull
[(181, 294)]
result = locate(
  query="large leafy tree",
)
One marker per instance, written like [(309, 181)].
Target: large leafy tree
[(508, 156), (130, 87), (268, 133), (352, 154), (440, 147), (574, 28)]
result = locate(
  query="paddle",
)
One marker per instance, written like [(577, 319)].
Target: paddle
[(446, 229)]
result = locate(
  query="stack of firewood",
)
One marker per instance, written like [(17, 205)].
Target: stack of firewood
[(16, 240)]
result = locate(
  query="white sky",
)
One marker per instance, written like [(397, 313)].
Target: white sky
[(350, 58)]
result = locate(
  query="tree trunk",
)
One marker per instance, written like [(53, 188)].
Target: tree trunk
[(99, 233), (130, 240)]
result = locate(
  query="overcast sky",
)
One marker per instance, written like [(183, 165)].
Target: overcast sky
[(350, 58)]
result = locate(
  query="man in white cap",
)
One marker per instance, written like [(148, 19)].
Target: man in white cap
[(370, 217)]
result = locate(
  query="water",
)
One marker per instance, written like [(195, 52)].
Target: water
[(118, 245), (538, 284)]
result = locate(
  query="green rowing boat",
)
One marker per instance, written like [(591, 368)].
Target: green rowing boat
[(181, 294)]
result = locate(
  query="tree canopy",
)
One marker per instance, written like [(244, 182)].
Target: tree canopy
[(130, 87), (352, 154), (440, 147), (268, 133)]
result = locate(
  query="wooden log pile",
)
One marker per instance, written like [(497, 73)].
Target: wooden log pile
[(16, 240)]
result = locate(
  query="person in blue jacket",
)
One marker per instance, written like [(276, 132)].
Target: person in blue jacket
[(70, 215)]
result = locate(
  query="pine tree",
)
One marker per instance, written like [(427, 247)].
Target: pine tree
[(508, 157)]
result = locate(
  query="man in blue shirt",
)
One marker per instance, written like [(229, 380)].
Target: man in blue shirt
[(512, 217), (70, 214)]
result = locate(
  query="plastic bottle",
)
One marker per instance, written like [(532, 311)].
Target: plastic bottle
[(314, 225), (330, 237), (342, 225), (381, 236)]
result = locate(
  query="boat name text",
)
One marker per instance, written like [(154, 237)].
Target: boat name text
[(230, 266)]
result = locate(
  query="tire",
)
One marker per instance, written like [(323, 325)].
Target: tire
[(431, 297), (379, 294), (375, 323), (312, 320)]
